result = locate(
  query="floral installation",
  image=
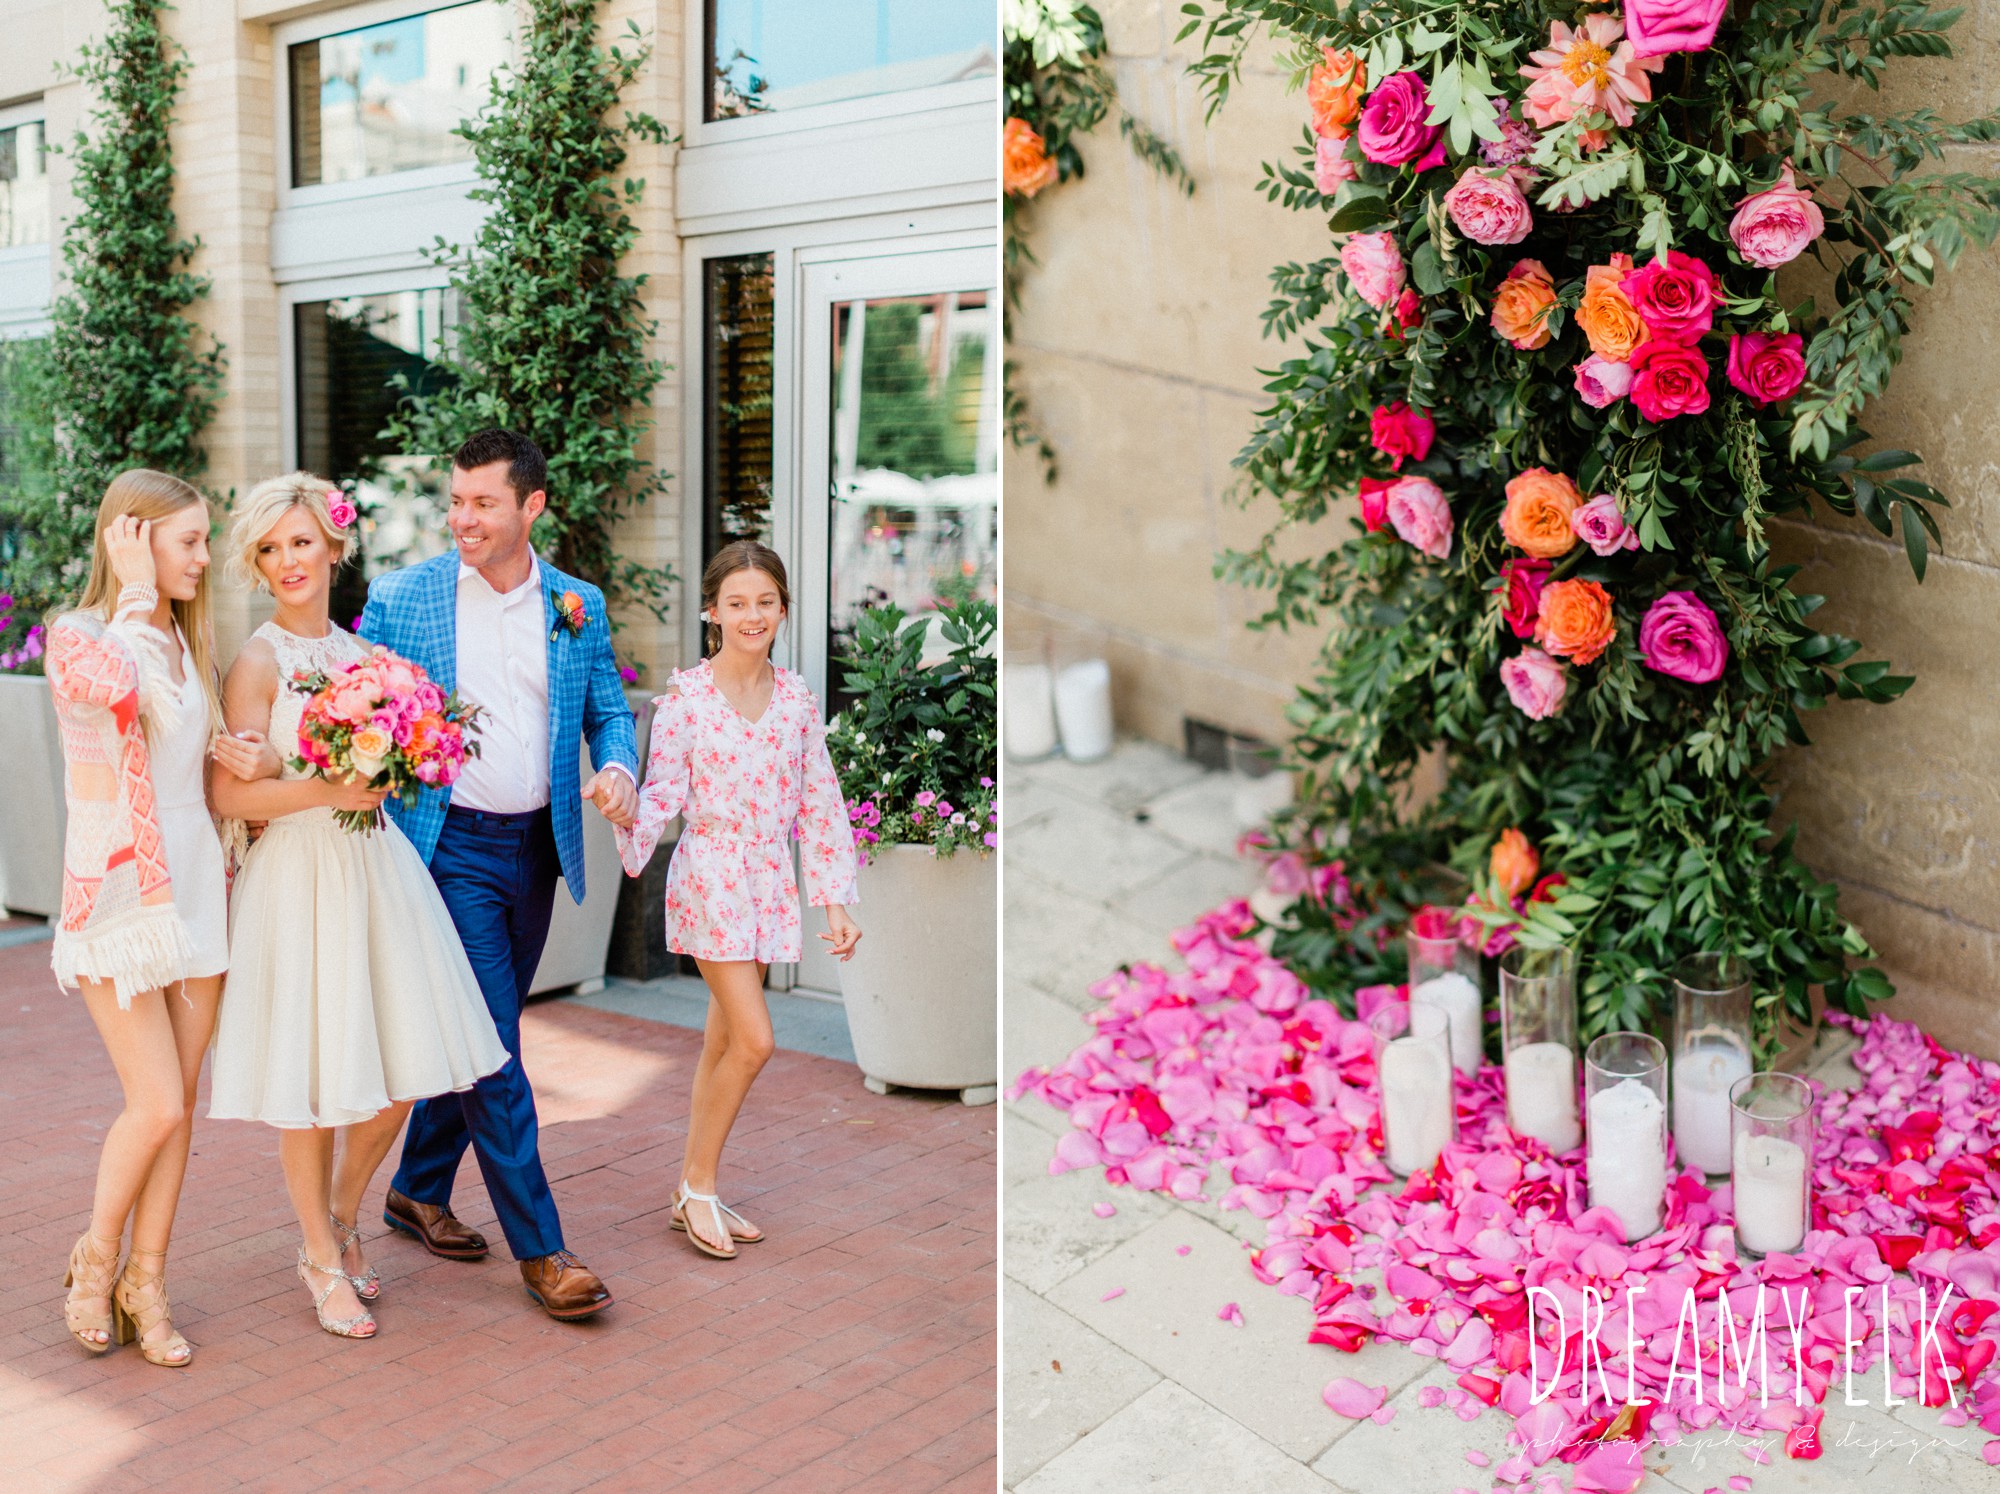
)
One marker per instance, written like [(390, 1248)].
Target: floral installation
[(568, 613), (384, 720), (1609, 393)]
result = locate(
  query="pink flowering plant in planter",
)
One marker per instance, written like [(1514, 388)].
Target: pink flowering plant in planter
[(1545, 487)]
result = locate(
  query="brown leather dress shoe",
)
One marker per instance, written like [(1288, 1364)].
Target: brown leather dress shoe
[(440, 1231), (563, 1286)]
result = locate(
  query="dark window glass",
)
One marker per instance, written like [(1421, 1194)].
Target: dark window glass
[(790, 54), (736, 497), (24, 186)]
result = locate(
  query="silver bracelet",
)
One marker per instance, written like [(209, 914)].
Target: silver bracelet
[(138, 592)]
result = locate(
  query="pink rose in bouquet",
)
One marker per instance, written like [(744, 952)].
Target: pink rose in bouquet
[(1408, 313), (1374, 267), (1520, 589), (1775, 226), (1657, 27), (1767, 366), (1375, 503), (1535, 683), (1679, 636), (1398, 432), (1393, 132), (1488, 208), (382, 721), (1669, 380), (1602, 383), (1420, 516), (1331, 168), (1600, 525), (1675, 299)]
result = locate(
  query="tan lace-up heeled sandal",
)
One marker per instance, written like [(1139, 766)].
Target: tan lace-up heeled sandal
[(367, 1286), (90, 1278), (359, 1326), (139, 1307)]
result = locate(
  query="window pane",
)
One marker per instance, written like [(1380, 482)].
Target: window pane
[(788, 54), (24, 186), (915, 456), (736, 497), (349, 351), (387, 98)]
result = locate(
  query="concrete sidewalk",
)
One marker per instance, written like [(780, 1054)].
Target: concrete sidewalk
[(1150, 1390)]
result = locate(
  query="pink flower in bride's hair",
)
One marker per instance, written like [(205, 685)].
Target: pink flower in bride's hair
[(1601, 383), (1535, 683), (1661, 26), (1669, 380), (1767, 366), (1375, 503), (1675, 298), (1488, 207), (1591, 70), (1374, 266), (1601, 525), (1679, 636), (1420, 516), (1331, 168), (1398, 431), (1520, 588), (1775, 226), (339, 508), (1393, 132)]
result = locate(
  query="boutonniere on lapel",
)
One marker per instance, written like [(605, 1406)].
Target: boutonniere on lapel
[(569, 615)]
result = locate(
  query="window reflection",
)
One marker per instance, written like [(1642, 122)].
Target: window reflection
[(790, 54), (736, 471), (387, 98), (24, 186)]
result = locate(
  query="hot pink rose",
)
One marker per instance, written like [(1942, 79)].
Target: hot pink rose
[(1656, 27), (1679, 636), (1330, 165), (340, 510), (1676, 300), (1669, 380), (1767, 366), (1600, 525), (1489, 208), (1409, 313), (1535, 683), (1398, 431), (1775, 226), (1520, 588), (1374, 267), (1419, 514), (1374, 505), (1393, 132), (1601, 382)]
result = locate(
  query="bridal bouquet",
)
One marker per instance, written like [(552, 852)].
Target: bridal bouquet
[(383, 720)]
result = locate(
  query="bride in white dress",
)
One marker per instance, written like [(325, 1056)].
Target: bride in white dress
[(349, 994)]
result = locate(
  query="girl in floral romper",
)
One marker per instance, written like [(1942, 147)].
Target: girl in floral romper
[(739, 750)]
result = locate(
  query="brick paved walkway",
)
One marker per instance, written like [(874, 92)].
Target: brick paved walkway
[(854, 1349)]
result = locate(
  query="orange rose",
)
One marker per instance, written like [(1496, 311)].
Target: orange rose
[(1576, 620), (1607, 315), (1521, 305), (1334, 90), (1025, 164), (1536, 518), (1513, 863)]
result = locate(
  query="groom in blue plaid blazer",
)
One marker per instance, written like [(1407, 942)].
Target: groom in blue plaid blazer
[(531, 647)]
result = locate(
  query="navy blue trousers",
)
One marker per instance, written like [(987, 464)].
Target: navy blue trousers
[(498, 875)]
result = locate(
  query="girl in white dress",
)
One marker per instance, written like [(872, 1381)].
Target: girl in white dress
[(142, 930), (351, 996)]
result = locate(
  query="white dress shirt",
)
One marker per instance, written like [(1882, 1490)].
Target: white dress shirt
[(503, 667)]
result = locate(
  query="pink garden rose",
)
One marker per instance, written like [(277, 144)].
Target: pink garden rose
[(1398, 432), (1669, 380), (1767, 366), (1775, 226), (1535, 683), (340, 508), (1374, 267), (1517, 139), (1601, 525), (1393, 132), (1374, 503), (1657, 27), (1679, 636), (1601, 382), (1676, 300), (1420, 516), (1521, 581), (1488, 208), (1330, 165)]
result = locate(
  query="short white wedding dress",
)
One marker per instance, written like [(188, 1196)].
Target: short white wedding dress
[(348, 987)]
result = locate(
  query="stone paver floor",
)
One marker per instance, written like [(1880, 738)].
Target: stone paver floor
[(854, 1349), (1150, 1390)]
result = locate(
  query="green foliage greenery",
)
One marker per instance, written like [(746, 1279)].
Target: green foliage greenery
[(1647, 793)]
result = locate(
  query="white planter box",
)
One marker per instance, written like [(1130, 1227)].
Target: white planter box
[(920, 992), (33, 815), (580, 933)]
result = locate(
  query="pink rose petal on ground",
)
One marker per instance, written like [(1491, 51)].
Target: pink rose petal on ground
[(1756, 1454), (1104, 1210), (1740, 1482), (1231, 1313), (1991, 1452), (1430, 1395), (1350, 1398), (1477, 1458), (1182, 1249), (1114, 1292), (1613, 1468), (1382, 1415)]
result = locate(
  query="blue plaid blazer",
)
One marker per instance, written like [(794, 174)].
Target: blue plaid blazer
[(414, 612)]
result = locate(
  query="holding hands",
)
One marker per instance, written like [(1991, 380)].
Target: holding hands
[(614, 795)]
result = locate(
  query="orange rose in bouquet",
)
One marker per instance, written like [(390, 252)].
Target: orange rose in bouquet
[(1334, 90), (1025, 164), (1607, 316), (1576, 620), (1536, 518), (1513, 864)]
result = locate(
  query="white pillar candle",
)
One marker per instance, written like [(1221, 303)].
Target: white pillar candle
[(1083, 710), (1703, 1072), (1541, 1094), (1458, 998), (1031, 715), (1416, 1103), (1769, 1184), (1628, 1155)]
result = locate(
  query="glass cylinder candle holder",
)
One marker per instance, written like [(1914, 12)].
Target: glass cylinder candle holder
[(1444, 973), (1538, 1040), (1711, 1052), (1771, 1129), (1029, 700), (1413, 1083), (1625, 1109)]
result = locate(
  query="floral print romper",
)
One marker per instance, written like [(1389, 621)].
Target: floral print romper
[(745, 789)]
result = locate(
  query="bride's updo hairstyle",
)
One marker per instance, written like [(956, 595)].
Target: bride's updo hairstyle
[(738, 555), (264, 505)]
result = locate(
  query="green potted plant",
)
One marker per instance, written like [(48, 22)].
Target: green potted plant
[(917, 753)]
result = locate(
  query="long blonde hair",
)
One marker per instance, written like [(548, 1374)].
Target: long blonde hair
[(149, 495)]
